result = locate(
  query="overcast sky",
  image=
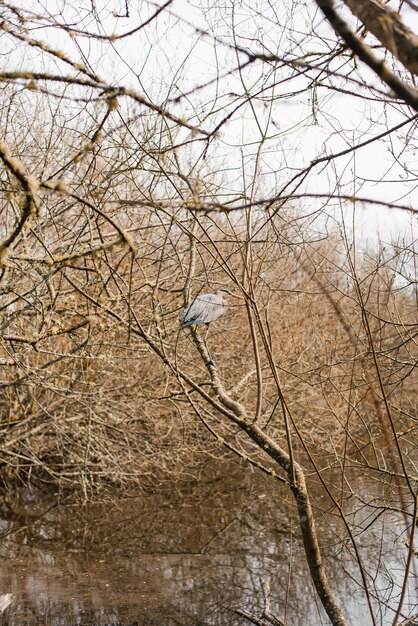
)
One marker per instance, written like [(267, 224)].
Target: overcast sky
[(170, 57)]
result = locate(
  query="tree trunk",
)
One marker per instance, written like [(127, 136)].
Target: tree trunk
[(387, 26)]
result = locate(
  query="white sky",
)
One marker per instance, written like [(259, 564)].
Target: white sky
[(171, 57)]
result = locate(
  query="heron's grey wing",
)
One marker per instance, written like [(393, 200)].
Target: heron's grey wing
[(189, 314), (204, 309), (211, 307), (193, 313)]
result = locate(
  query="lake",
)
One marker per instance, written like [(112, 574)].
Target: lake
[(176, 558)]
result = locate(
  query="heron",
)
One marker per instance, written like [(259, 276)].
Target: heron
[(205, 308)]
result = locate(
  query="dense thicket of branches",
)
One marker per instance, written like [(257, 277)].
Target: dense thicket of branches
[(131, 183)]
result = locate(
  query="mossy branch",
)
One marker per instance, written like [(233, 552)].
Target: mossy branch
[(29, 186)]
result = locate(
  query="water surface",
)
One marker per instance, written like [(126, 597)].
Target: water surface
[(171, 559)]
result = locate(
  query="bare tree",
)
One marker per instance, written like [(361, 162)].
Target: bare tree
[(128, 188)]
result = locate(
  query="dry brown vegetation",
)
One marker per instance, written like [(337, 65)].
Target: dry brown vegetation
[(88, 403)]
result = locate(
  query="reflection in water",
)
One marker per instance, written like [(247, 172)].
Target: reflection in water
[(168, 561)]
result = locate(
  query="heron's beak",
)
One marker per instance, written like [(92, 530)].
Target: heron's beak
[(235, 295)]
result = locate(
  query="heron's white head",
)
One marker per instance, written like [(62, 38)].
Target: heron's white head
[(223, 290)]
